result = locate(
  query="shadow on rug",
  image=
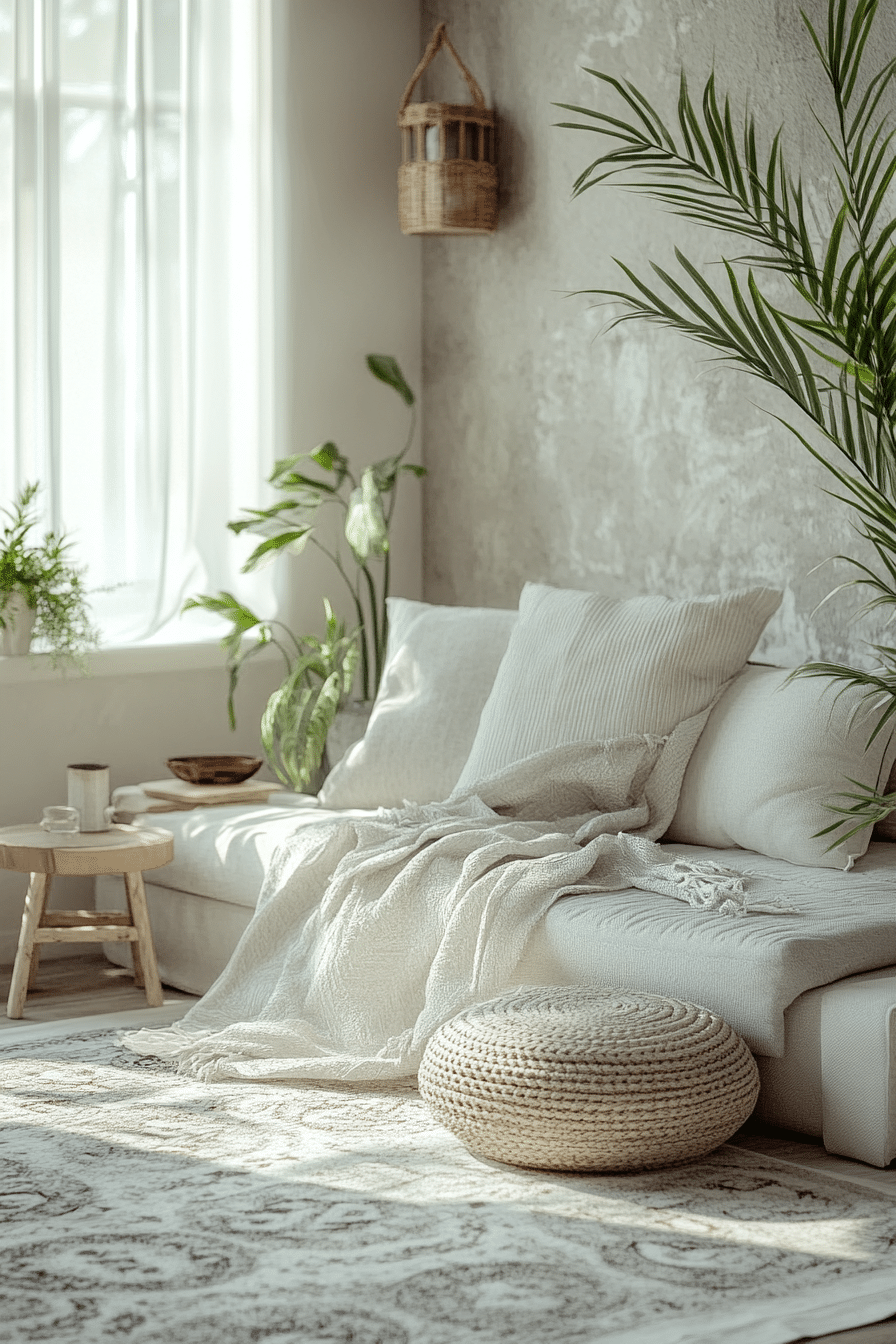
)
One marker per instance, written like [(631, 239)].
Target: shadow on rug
[(140, 1206)]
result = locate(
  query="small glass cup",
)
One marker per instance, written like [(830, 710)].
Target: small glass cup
[(65, 819)]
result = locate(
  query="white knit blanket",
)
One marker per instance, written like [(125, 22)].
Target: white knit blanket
[(370, 933)]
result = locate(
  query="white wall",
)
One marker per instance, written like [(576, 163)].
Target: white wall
[(356, 279), (353, 288)]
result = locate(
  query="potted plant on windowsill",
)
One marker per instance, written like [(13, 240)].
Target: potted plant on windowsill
[(42, 593), (320, 673)]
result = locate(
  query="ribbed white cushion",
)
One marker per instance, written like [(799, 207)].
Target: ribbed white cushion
[(580, 667), (772, 754), (440, 666)]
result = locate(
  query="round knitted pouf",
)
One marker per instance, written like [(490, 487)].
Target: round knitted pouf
[(589, 1079)]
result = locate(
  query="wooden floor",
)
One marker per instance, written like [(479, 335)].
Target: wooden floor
[(87, 985), (78, 987)]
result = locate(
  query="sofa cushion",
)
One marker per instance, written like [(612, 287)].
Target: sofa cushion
[(224, 852), (773, 754), (440, 666), (580, 667), (886, 828), (748, 970)]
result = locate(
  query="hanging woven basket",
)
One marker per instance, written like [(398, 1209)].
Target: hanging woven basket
[(447, 179)]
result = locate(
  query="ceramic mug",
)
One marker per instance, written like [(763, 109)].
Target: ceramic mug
[(88, 791)]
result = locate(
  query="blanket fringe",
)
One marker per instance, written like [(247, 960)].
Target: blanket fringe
[(410, 814), (707, 885)]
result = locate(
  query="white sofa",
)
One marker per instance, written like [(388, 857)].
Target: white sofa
[(813, 991), (827, 1059)]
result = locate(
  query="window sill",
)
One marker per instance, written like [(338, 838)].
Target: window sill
[(123, 662)]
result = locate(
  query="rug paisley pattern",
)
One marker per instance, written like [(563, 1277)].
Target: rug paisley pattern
[(142, 1207)]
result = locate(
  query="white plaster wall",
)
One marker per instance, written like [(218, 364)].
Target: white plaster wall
[(132, 721), (621, 461), (356, 280), (353, 287)]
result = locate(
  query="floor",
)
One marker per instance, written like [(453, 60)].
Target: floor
[(87, 985), (78, 987)]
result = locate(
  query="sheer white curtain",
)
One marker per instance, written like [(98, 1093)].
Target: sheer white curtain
[(137, 284)]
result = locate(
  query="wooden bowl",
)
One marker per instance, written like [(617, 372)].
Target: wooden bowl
[(213, 769)]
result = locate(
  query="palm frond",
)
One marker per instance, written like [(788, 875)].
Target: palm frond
[(834, 355)]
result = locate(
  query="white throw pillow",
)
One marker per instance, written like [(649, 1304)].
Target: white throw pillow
[(440, 665), (580, 667), (772, 754)]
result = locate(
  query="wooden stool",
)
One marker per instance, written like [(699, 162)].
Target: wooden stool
[(122, 849)]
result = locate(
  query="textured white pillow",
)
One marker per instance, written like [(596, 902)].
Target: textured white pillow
[(580, 667), (771, 755), (440, 665)]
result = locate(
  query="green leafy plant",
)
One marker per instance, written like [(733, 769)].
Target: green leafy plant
[(301, 711), (319, 676), (832, 349), (320, 672), (51, 586)]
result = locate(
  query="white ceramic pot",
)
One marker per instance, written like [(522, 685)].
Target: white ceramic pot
[(347, 728), (15, 635)]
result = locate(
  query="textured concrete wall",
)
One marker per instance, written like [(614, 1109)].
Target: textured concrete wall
[(621, 461)]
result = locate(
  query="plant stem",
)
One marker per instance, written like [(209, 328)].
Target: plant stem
[(389, 509), (374, 629), (384, 627)]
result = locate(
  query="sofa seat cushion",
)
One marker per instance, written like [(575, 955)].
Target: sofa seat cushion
[(749, 969), (224, 852)]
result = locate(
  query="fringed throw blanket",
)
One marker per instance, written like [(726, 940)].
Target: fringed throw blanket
[(370, 933)]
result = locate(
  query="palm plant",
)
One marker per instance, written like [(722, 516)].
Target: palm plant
[(832, 351)]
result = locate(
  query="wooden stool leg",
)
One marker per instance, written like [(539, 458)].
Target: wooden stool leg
[(143, 950), (35, 901), (35, 963), (136, 960), (139, 979)]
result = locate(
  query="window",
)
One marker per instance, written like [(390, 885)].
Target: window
[(137, 281)]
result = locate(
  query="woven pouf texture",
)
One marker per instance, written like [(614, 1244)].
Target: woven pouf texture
[(589, 1079)]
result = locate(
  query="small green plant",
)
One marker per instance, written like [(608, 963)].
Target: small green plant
[(832, 349), (51, 586), (299, 714), (320, 672)]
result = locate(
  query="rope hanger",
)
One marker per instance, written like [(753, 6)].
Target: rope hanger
[(439, 39)]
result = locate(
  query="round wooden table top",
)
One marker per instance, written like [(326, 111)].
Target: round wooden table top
[(121, 849)]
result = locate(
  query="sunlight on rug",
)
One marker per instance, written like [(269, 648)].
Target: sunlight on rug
[(141, 1206)]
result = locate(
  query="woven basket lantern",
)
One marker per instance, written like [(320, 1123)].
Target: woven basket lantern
[(447, 179)]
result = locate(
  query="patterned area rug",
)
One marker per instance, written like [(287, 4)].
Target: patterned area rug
[(140, 1206)]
